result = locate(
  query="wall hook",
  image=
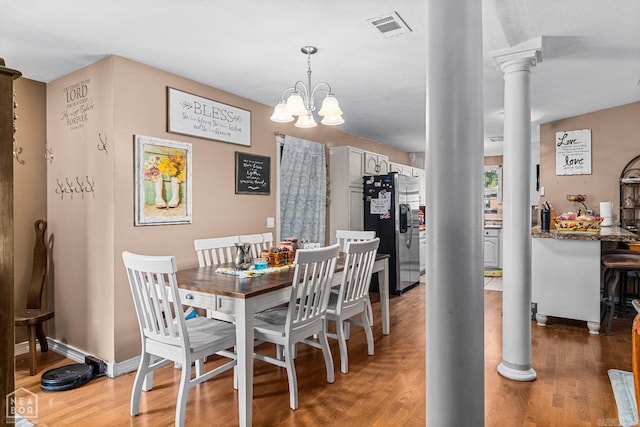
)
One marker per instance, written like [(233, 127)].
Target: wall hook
[(48, 155), (102, 145)]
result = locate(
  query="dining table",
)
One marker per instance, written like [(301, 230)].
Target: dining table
[(201, 287)]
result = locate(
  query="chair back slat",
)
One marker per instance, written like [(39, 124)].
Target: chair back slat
[(215, 251), (345, 236), (258, 242), (156, 298), (356, 278), (311, 285)]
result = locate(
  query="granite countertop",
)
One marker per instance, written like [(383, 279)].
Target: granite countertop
[(607, 234)]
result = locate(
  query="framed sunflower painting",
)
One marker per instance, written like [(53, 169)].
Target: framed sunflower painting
[(162, 181)]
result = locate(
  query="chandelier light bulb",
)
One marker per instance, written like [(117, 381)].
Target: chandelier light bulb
[(330, 106), (280, 114), (332, 120), (306, 121), (295, 105)]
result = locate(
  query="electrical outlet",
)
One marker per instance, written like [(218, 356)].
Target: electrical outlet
[(271, 222)]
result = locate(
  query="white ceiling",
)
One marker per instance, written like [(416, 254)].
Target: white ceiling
[(591, 52)]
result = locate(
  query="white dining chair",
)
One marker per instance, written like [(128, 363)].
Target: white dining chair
[(351, 299), (166, 334), (259, 242), (216, 250), (345, 236), (303, 317), (213, 252)]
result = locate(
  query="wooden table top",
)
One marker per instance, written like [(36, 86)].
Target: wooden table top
[(205, 279)]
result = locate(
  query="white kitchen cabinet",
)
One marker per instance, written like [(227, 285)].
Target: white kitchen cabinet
[(422, 185), (412, 171), (375, 164), (395, 167), (492, 248), (401, 169), (346, 209), (356, 209), (346, 166), (565, 280)]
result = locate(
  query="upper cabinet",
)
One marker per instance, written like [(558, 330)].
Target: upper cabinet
[(411, 171), (401, 169), (346, 166), (375, 164)]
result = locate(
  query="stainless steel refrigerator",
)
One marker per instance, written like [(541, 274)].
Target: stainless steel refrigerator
[(391, 210)]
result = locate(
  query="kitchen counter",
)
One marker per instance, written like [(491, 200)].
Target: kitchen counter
[(606, 234), (565, 273)]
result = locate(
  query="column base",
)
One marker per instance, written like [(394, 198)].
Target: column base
[(516, 375)]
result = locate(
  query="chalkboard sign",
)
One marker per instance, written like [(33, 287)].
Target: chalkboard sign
[(253, 174)]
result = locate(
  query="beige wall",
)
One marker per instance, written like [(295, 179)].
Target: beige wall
[(29, 186), (82, 222), (94, 312), (615, 140)]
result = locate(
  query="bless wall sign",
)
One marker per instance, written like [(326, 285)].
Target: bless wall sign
[(573, 152)]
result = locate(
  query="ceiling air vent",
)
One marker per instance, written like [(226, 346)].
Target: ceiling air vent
[(389, 25), (496, 139)]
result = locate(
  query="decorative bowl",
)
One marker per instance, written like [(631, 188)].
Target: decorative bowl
[(578, 225)]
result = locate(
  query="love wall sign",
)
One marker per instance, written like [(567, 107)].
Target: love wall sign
[(573, 152)]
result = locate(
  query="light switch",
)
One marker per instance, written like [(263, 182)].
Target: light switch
[(271, 223), (542, 191)]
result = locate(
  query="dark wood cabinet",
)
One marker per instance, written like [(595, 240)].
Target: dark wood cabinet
[(7, 76), (630, 195)]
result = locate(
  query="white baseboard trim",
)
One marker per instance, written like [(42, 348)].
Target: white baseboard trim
[(23, 348), (125, 367), (113, 369)]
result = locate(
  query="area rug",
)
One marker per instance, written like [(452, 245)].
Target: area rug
[(20, 421), (622, 384)]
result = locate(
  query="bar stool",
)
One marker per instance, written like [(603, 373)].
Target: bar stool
[(617, 268), (606, 273)]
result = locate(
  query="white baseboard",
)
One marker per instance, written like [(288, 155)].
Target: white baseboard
[(113, 369), (23, 348)]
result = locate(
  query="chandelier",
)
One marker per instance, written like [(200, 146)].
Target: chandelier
[(301, 101)]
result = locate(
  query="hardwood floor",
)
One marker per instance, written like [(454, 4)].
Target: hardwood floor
[(387, 389)]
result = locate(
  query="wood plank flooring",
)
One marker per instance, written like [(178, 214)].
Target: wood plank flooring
[(387, 389)]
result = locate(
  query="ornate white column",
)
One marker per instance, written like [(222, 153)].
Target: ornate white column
[(454, 268), (516, 63)]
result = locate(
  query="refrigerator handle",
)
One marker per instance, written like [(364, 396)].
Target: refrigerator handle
[(409, 240), (405, 225)]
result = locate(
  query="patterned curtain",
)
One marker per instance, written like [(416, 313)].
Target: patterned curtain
[(303, 188)]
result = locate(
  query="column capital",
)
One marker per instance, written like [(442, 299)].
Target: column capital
[(526, 54)]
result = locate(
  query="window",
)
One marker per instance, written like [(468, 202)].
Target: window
[(492, 188)]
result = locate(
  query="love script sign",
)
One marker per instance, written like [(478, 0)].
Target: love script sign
[(197, 116), (573, 152)]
